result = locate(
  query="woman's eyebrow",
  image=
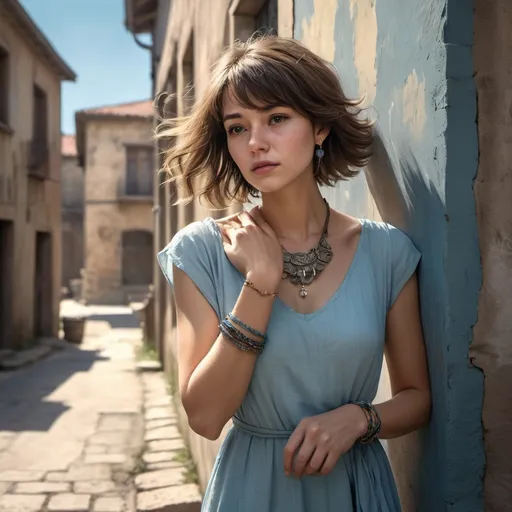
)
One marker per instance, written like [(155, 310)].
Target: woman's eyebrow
[(237, 115)]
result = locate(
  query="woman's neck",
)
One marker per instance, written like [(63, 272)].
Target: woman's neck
[(296, 214)]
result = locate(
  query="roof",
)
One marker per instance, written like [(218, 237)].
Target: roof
[(19, 19), (68, 145), (135, 110), (140, 15)]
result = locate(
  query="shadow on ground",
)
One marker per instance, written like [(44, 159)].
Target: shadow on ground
[(22, 393), (116, 321), (22, 405)]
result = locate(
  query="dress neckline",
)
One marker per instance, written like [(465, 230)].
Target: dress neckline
[(337, 292)]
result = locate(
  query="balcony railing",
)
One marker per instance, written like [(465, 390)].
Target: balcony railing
[(134, 192), (38, 159)]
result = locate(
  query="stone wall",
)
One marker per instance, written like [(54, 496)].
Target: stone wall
[(107, 213)]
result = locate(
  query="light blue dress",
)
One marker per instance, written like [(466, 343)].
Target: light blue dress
[(312, 363)]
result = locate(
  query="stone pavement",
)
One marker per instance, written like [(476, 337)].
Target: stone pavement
[(72, 426)]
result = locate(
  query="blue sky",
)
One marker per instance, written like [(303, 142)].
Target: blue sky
[(91, 37)]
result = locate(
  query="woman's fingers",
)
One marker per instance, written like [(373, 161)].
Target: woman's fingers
[(246, 220), (329, 463), (291, 447), (316, 462)]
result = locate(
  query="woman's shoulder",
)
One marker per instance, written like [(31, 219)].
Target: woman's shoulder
[(385, 232), (377, 234), (197, 239)]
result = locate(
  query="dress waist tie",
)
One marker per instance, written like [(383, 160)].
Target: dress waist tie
[(259, 431)]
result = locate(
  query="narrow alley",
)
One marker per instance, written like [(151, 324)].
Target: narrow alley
[(73, 426)]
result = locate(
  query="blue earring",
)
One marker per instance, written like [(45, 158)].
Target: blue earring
[(319, 152)]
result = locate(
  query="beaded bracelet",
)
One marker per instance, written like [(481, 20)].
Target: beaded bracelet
[(249, 284), (239, 344), (238, 338), (248, 328), (237, 333), (374, 422)]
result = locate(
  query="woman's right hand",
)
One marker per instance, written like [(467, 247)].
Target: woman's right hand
[(253, 248)]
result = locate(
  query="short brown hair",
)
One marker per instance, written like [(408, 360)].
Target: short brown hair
[(265, 70)]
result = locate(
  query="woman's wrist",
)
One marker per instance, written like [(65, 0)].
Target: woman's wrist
[(360, 420), (267, 284)]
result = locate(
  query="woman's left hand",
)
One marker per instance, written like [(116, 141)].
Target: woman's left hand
[(318, 442)]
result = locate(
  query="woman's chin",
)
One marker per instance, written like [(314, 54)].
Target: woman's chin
[(269, 186)]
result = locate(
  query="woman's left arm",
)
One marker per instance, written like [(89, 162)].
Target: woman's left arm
[(318, 441), (409, 407)]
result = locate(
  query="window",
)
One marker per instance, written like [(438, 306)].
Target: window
[(4, 87), (139, 171), (250, 16), (39, 155), (266, 20), (137, 258)]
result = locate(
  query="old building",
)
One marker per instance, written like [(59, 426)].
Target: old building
[(72, 189), (114, 146), (31, 72), (438, 77)]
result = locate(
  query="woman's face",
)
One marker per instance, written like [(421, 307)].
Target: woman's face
[(271, 146)]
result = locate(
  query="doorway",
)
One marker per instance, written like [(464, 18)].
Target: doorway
[(43, 285), (6, 283)]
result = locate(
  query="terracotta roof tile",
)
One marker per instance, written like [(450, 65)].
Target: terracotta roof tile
[(137, 109), (68, 145)]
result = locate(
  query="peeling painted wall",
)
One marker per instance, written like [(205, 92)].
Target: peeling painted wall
[(411, 62)]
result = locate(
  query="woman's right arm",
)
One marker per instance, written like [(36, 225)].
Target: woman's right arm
[(214, 374)]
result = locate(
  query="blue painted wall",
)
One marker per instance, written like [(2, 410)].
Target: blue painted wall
[(413, 60)]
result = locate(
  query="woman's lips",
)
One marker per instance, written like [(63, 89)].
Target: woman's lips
[(264, 169)]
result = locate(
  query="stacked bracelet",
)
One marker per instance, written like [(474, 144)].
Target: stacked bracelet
[(238, 338), (374, 422), (239, 322)]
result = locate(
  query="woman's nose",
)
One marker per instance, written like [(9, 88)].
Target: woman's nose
[(258, 140)]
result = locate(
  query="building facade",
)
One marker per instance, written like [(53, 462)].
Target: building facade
[(31, 72), (72, 188), (435, 74), (115, 148)]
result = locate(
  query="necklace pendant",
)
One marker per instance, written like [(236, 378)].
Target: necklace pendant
[(303, 292)]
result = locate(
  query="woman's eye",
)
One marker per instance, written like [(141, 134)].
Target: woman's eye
[(235, 130), (277, 119)]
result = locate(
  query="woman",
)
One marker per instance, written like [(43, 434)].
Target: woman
[(284, 312)]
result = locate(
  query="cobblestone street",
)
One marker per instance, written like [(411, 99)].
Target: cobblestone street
[(72, 426)]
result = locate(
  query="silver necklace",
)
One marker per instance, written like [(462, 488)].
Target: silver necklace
[(304, 267)]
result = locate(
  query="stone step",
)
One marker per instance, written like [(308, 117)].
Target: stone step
[(177, 498)]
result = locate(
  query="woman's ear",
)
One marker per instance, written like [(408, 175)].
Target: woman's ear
[(321, 133)]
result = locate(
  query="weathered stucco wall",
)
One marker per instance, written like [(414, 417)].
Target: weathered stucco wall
[(492, 346), (32, 205), (203, 30), (412, 61), (106, 217)]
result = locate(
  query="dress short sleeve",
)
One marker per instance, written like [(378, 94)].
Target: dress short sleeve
[(194, 251), (404, 260)]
